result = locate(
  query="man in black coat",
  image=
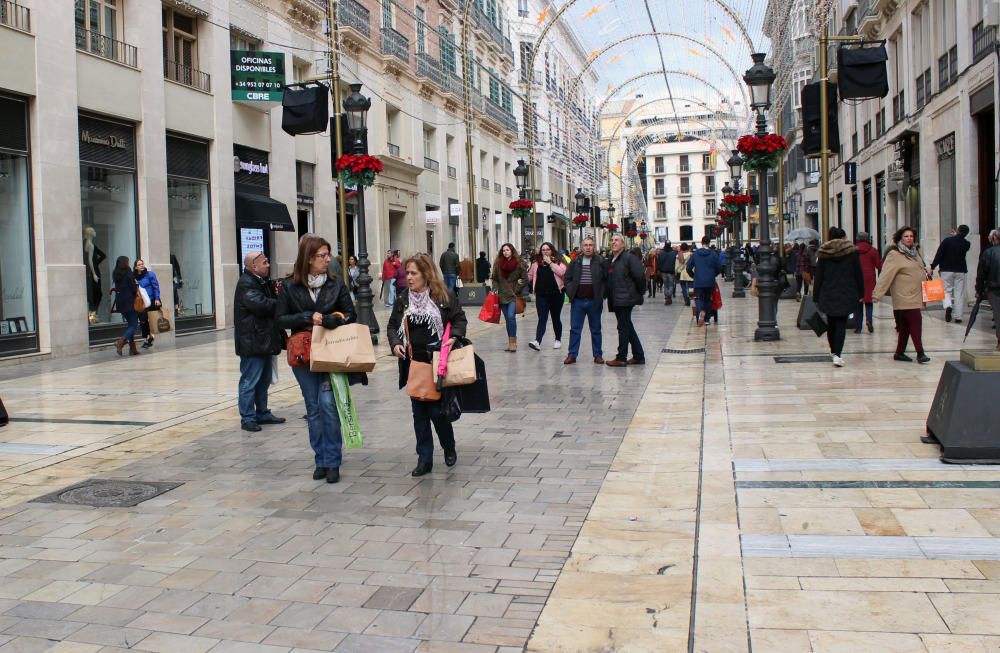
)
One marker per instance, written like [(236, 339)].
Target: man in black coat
[(666, 261), (258, 338), (585, 281), (950, 258), (626, 286)]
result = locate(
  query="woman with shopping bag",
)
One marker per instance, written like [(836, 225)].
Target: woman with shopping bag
[(416, 330), (903, 274), (509, 278), (313, 297)]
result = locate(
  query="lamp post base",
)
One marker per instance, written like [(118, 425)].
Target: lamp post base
[(767, 303), (365, 297), (738, 277)]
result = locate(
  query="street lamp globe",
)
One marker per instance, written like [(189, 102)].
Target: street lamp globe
[(727, 189), (356, 106), (735, 165), (521, 174), (759, 78), (581, 201)]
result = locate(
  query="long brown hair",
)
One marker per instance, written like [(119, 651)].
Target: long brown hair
[(430, 274), (513, 253), (309, 244)]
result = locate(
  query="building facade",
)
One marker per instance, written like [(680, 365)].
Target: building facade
[(684, 180), (121, 137)]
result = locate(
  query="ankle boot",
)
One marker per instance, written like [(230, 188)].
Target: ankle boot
[(511, 344), (132, 351), (119, 345)]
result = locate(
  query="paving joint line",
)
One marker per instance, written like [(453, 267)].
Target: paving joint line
[(692, 616)]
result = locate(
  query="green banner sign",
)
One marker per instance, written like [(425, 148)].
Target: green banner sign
[(257, 76)]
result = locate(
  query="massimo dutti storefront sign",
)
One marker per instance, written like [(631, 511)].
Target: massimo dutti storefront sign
[(106, 143)]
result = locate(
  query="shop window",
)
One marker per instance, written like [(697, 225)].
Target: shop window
[(189, 216), (17, 309), (946, 184)]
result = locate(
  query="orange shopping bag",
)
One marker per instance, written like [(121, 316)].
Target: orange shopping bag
[(933, 290)]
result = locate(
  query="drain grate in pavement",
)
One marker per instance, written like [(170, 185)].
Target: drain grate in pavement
[(696, 350), (561, 434), (814, 358), (102, 493)]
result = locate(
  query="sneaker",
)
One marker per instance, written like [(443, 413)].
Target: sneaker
[(253, 427), (902, 357), (557, 345), (838, 361), (271, 419), (923, 358), (947, 314), (534, 344)]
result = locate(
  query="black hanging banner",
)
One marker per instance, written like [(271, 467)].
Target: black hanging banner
[(305, 109), (811, 137), (862, 72)]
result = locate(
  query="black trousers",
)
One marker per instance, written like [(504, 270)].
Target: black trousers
[(836, 333), (424, 414), (627, 335)]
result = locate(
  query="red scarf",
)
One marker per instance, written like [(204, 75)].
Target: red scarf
[(507, 265)]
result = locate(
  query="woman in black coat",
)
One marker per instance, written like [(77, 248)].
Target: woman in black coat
[(126, 289), (839, 286), (312, 297), (415, 330)]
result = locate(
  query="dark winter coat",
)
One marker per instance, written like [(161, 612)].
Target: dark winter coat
[(871, 262), (449, 262), (482, 270), (626, 281), (988, 278), (703, 266), (125, 290), (255, 309), (598, 273), (666, 260), (296, 305), (451, 313), (950, 256), (839, 284)]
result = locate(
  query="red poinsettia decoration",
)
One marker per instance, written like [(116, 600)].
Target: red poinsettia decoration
[(726, 213), (631, 233), (358, 171), (737, 200), (643, 235), (581, 219), (611, 226), (761, 152), (521, 208)]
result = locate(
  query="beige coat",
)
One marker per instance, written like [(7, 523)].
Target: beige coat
[(902, 277), (680, 268)]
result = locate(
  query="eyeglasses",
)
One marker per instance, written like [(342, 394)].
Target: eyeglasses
[(258, 257), (326, 255)]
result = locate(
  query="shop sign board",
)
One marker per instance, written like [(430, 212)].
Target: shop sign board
[(257, 76), (251, 240)]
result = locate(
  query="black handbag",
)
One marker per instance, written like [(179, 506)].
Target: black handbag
[(450, 405), (475, 397), (817, 323)]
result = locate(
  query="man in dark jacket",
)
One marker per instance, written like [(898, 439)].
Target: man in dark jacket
[(988, 278), (950, 257), (703, 266), (482, 268), (666, 261), (585, 281), (449, 267), (258, 338), (626, 286)]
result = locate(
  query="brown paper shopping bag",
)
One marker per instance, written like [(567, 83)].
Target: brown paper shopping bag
[(461, 368), (347, 348)]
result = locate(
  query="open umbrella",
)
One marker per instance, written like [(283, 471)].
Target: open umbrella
[(972, 318), (803, 233)]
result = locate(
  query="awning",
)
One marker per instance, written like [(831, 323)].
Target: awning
[(557, 216), (262, 211)]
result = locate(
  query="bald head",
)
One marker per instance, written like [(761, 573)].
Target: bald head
[(256, 263)]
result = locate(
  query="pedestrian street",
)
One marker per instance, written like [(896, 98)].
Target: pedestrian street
[(711, 497)]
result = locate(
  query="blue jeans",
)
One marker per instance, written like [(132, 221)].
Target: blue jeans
[(255, 379), (131, 325), (321, 415), (685, 293), (392, 294), (590, 309), (669, 284), (703, 300), (424, 414), (868, 308), (450, 280), (510, 318), (549, 305)]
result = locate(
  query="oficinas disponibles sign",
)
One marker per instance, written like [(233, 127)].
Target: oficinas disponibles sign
[(257, 76)]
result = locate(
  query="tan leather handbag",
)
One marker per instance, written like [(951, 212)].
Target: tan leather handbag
[(420, 382)]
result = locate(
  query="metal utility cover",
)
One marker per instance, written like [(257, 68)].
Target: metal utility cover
[(105, 493)]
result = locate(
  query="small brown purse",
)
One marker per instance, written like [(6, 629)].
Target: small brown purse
[(420, 382)]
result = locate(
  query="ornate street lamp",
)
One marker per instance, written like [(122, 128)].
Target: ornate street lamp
[(581, 209), (356, 106), (521, 178), (759, 78), (735, 163)]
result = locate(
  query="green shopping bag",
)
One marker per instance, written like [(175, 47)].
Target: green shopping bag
[(349, 426)]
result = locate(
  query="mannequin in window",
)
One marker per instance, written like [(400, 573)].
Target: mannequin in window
[(178, 284), (92, 258)]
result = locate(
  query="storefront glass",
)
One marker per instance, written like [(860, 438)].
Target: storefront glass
[(190, 249), (17, 310), (107, 200)]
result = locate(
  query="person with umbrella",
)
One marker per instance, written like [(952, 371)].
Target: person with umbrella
[(988, 283)]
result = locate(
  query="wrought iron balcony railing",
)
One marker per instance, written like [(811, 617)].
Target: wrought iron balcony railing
[(429, 67), (395, 44), (353, 14), (431, 164), (983, 40), (14, 15), (188, 76), (104, 46)]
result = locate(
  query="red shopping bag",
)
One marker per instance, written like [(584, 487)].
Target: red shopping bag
[(490, 312), (716, 298)]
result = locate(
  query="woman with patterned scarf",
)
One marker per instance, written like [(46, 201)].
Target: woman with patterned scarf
[(415, 330), (903, 274)]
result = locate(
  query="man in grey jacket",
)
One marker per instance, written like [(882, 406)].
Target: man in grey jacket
[(626, 287), (449, 267), (585, 281), (988, 278)]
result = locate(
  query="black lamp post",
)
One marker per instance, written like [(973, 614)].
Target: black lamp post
[(356, 106), (611, 213), (581, 208), (521, 178), (736, 172), (759, 78)]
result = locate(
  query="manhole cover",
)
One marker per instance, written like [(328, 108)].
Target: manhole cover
[(101, 493), (697, 350), (820, 358)]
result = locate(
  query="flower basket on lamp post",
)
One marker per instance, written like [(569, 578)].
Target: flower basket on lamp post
[(358, 170), (761, 152), (521, 208), (611, 227)]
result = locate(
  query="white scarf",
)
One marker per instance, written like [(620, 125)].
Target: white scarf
[(423, 310), (316, 282)]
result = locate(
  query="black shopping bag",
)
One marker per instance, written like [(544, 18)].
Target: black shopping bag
[(476, 396), (4, 417), (817, 323)]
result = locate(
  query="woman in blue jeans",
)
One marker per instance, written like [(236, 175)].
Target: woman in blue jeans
[(125, 289), (312, 297), (509, 278), (546, 278)]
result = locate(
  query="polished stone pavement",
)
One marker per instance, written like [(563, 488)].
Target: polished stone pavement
[(712, 500)]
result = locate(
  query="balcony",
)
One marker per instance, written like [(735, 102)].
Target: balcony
[(683, 190), (187, 76), (923, 89), (108, 48), (393, 149), (898, 108), (429, 67), (684, 167), (353, 14), (485, 183), (452, 172), (16, 16), (483, 22), (658, 170), (509, 192), (496, 113), (659, 191), (431, 164), (395, 44), (948, 68), (497, 188), (983, 40)]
